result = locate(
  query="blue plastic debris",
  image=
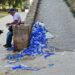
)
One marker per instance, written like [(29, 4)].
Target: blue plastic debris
[(49, 35), (11, 49), (11, 61), (50, 65), (38, 42), (48, 54), (22, 67), (14, 56)]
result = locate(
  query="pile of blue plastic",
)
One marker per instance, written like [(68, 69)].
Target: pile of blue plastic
[(38, 42)]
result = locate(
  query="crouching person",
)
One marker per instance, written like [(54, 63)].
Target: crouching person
[(16, 21)]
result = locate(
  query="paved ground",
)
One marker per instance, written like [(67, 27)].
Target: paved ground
[(60, 22), (62, 63)]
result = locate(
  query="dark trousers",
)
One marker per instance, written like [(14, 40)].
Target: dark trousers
[(9, 38)]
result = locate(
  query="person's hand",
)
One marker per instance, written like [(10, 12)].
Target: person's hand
[(16, 26), (8, 24)]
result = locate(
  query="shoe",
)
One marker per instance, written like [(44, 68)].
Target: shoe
[(6, 46), (1, 31)]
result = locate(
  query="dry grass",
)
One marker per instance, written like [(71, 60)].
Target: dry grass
[(2, 14)]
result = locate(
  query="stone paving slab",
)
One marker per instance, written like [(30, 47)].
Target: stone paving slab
[(59, 21), (62, 63)]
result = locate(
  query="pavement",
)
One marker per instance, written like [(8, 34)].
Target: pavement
[(62, 63), (60, 22)]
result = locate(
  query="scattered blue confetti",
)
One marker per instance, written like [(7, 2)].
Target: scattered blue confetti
[(38, 42)]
